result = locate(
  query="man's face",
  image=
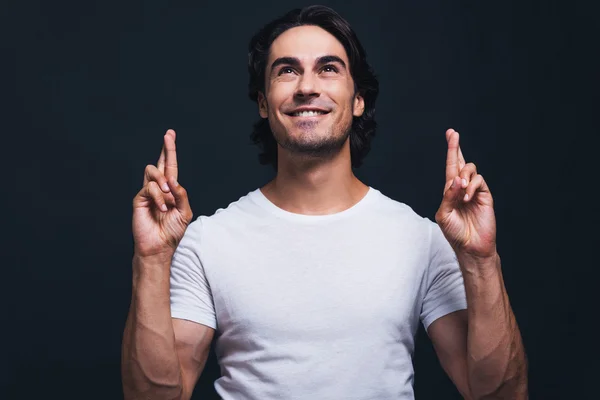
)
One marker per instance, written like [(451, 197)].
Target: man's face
[(310, 99)]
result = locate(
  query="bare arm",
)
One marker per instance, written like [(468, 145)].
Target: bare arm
[(448, 335), (150, 364), (485, 349), (496, 360), (481, 348), (161, 358), (192, 341)]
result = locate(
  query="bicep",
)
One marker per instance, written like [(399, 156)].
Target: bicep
[(448, 335), (192, 341)]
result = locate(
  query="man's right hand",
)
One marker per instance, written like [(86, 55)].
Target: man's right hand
[(161, 210)]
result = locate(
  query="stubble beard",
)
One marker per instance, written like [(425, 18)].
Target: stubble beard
[(313, 144)]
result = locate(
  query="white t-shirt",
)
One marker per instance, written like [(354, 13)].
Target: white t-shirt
[(315, 307)]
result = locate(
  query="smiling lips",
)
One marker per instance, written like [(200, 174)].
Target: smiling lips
[(308, 113)]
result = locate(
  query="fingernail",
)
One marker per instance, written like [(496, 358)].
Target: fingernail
[(166, 187), (467, 197), (464, 182), (163, 207)]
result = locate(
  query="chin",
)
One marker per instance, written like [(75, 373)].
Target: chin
[(314, 144)]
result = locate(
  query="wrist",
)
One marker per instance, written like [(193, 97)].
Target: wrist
[(156, 258), (477, 264), (156, 267), (490, 258)]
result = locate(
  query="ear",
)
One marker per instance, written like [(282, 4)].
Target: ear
[(263, 108), (359, 105)]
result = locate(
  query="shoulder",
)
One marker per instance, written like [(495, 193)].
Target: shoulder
[(236, 214), (398, 212)]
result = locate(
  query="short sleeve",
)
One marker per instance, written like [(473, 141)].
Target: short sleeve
[(191, 297), (444, 289)]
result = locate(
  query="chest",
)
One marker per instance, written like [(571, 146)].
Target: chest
[(326, 287)]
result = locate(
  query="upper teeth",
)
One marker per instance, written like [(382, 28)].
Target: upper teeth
[(308, 113)]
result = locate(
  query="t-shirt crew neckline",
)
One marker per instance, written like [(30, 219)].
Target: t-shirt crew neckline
[(259, 198)]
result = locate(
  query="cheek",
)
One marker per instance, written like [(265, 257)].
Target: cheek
[(277, 119), (342, 92), (279, 93)]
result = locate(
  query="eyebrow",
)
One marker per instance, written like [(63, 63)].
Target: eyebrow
[(295, 62)]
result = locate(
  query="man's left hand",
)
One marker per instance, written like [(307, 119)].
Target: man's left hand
[(466, 215)]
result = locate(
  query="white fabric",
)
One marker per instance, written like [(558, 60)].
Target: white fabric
[(315, 307)]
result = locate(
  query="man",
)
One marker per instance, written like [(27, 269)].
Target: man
[(315, 283)]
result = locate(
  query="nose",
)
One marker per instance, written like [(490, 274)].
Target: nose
[(308, 86)]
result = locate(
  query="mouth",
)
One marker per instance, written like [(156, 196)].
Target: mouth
[(308, 113)]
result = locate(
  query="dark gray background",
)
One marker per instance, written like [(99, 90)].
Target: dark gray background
[(92, 86)]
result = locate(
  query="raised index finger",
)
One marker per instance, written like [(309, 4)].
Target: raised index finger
[(452, 159), (170, 155)]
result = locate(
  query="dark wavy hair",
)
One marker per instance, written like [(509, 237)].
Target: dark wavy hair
[(363, 127)]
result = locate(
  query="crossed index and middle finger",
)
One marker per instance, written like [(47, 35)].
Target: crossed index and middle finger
[(455, 161), (167, 162)]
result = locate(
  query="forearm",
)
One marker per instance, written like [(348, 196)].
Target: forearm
[(150, 365), (496, 360)]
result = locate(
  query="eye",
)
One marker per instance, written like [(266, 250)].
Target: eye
[(286, 70), (329, 68)]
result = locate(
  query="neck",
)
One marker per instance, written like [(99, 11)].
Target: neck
[(305, 185)]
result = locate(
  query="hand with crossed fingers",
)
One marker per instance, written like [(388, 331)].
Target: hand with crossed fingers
[(161, 209), (466, 214)]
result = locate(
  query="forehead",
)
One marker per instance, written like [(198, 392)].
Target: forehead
[(306, 43)]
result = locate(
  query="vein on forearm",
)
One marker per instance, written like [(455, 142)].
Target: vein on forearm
[(496, 359)]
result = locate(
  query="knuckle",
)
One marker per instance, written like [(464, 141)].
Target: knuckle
[(180, 190), (153, 187)]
